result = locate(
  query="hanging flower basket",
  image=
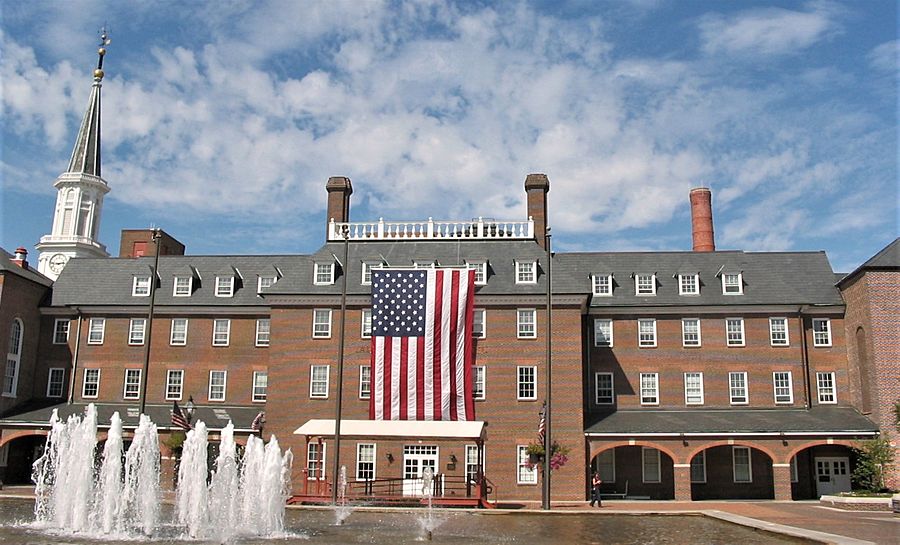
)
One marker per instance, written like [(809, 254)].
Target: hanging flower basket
[(559, 455)]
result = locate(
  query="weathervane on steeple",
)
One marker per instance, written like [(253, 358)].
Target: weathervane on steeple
[(104, 41)]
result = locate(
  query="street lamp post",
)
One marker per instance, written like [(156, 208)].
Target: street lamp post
[(545, 491), (340, 374), (148, 330)]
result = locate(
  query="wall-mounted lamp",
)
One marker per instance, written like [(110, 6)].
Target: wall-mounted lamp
[(453, 458), (189, 409), (390, 458)]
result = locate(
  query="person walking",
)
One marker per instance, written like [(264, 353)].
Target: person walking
[(595, 490)]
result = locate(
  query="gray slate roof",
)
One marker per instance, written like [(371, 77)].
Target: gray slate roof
[(819, 419), (888, 259), (6, 265)]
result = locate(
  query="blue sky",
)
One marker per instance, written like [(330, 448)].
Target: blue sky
[(223, 120)]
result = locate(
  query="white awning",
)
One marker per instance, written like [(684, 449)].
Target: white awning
[(394, 428)]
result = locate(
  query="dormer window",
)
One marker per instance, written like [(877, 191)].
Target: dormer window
[(323, 275), (526, 272), (182, 286), (688, 284), (645, 284), (141, 286), (224, 286), (732, 283), (367, 267), (480, 271), (424, 263), (265, 282), (602, 285)]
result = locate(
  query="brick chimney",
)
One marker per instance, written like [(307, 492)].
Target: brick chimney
[(21, 258), (339, 190), (702, 220), (536, 188)]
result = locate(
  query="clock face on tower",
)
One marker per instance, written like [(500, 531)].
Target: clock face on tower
[(57, 262)]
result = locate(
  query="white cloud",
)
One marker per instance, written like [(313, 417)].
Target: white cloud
[(886, 57)]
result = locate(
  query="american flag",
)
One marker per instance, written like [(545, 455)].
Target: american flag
[(178, 417), (422, 344)]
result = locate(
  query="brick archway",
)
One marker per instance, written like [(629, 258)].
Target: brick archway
[(817, 443), (732, 443), (9, 436), (634, 443)]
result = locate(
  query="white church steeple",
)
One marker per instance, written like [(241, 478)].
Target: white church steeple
[(80, 191)]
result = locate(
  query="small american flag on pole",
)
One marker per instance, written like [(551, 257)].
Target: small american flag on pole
[(542, 425), (422, 344), (178, 418)]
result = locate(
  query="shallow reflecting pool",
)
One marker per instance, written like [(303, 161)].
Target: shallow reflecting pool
[(396, 527)]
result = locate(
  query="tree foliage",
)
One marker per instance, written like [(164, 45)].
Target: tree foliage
[(874, 459)]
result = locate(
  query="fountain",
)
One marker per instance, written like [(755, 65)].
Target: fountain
[(342, 510), (428, 491)]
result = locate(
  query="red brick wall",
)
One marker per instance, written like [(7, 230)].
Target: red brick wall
[(19, 299)]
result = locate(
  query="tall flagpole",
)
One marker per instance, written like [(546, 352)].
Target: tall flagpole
[(545, 491), (340, 374), (148, 328)]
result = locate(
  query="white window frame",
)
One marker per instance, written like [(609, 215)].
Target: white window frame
[(365, 381), (602, 285), (321, 329), (821, 338), (61, 331), (61, 381), (209, 394), (259, 282), (85, 382), (739, 339), (365, 323), (684, 279), (319, 472), (182, 293), (599, 334), (480, 271), (726, 286), (323, 273), (654, 387), (526, 272), (795, 475), (732, 389), (687, 342), (701, 458), (170, 373), (524, 474), (125, 384), (360, 461), (173, 341), (734, 464), (826, 392), (140, 286), (525, 382), (137, 331), (778, 342), (638, 284), (367, 267), (479, 317), (96, 333), (598, 389), (313, 381), (522, 331), (255, 396), (221, 340), (607, 468), (650, 343), (690, 395), (471, 462), (263, 331), (776, 387), (224, 286), (479, 378), (645, 478)]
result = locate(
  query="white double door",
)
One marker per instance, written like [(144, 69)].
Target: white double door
[(832, 475), (416, 458)]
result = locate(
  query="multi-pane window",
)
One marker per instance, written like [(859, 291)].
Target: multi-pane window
[(525, 474), (224, 286), (821, 332), (61, 331), (174, 384), (365, 385), (741, 463), (645, 284), (478, 382), (96, 328), (315, 461), (690, 332), (56, 381), (688, 284), (795, 475), (734, 331), (136, 330), (647, 333), (698, 467), (606, 465), (13, 357), (480, 271), (472, 463), (737, 388), (91, 385), (260, 385), (778, 332), (526, 382), (323, 274), (649, 388), (526, 323), (141, 286), (178, 334), (367, 267), (182, 286), (217, 381), (603, 332), (732, 284), (263, 331), (650, 466), (221, 332), (366, 323), (265, 282), (526, 272), (825, 387), (132, 384), (602, 285), (693, 388), (479, 318), (318, 381), (365, 461), (322, 323), (784, 392), (604, 392)]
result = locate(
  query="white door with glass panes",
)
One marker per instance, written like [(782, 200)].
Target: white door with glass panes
[(832, 475), (415, 459)]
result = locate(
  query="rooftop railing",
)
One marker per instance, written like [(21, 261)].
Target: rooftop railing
[(430, 229)]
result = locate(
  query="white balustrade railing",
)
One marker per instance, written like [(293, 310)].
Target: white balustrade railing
[(72, 238), (478, 229)]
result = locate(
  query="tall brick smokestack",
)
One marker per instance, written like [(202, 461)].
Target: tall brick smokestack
[(536, 188), (339, 190), (702, 220)]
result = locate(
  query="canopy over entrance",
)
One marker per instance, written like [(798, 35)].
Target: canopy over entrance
[(437, 429)]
